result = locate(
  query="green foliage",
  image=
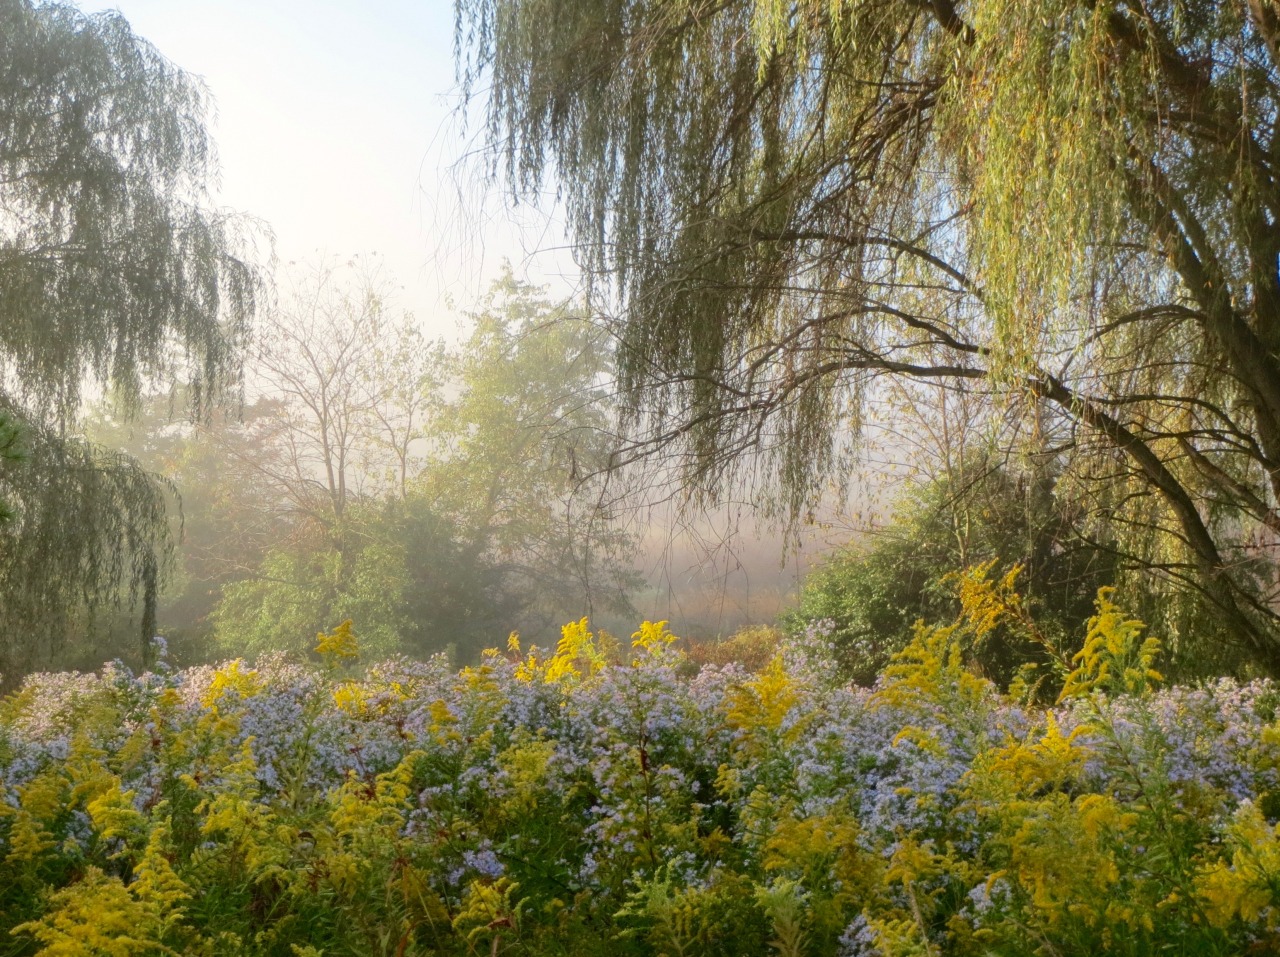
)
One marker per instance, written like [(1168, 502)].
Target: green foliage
[(299, 592), (225, 514), (867, 598), (400, 573), (109, 256), (90, 533), (112, 271), (527, 446)]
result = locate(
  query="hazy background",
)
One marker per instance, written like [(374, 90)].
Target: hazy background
[(339, 126)]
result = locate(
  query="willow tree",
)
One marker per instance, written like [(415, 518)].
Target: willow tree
[(1072, 202), (113, 272)]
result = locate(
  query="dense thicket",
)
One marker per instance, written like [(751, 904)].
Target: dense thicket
[(865, 599), (1073, 204), (111, 272)]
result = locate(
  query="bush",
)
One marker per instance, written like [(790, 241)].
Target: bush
[(870, 597), (752, 648)]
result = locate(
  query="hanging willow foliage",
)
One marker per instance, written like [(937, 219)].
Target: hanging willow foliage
[(89, 532), (112, 271), (1070, 202)]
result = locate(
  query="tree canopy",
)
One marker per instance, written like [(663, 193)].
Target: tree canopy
[(113, 271), (1071, 203), (523, 473)]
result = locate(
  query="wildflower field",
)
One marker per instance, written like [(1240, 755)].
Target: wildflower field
[(609, 799)]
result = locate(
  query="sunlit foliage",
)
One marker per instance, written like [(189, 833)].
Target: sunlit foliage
[(865, 596), (1066, 206)]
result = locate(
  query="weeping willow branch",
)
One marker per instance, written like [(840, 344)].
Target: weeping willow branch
[(89, 533), (1074, 202), (114, 271)]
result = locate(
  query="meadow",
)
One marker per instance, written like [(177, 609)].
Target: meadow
[(609, 797)]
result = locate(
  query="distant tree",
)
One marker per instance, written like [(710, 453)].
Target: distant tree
[(348, 380), (112, 271), (1070, 203), (307, 585), (224, 515), (467, 480), (351, 378), (526, 444)]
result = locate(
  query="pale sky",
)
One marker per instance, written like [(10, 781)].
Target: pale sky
[(336, 125)]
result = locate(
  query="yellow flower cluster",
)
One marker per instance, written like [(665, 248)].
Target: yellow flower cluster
[(338, 646)]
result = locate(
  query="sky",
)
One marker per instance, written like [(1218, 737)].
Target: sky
[(337, 125)]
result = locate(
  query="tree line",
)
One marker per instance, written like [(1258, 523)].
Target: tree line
[(435, 495), (186, 446)]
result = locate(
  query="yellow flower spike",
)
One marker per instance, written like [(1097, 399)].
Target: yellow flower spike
[(911, 862), (526, 765), (169, 699), (513, 642), (28, 839), (984, 603), (156, 885), (233, 815), (1100, 815), (764, 701), (653, 636), (817, 844), (1243, 886), (86, 770), (443, 728), (926, 741), (39, 802), (350, 698), (231, 677), (1027, 767), (1113, 659), (488, 910), (930, 668), (44, 795), (575, 654), (528, 669), (113, 816), (96, 915), (338, 646)]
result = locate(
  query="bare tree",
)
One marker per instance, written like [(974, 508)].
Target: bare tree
[(352, 381)]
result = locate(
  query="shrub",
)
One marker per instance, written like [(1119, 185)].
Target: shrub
[(752, 648)]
